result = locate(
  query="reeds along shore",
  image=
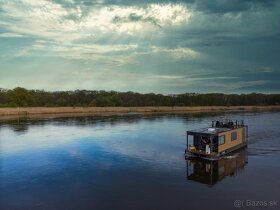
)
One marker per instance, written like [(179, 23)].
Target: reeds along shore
[(106, 110)]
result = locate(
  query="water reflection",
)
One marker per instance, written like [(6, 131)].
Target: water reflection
[(211, 172), (22, 124)]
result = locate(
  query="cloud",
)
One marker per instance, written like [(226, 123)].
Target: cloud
[(158, 14), (67, 31), (234, 86), (39, 18), (129, 80), (266, 69), (131, 19), (230, 6), (51, 20), (177, 53), (10, 35), (113, 54), (92, 52)]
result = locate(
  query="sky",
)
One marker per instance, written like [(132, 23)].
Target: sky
[(168, 47)]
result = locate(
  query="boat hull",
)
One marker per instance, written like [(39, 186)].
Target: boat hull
[(214, 156)]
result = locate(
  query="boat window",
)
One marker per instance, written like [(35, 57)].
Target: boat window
[(234, 136), (205, 139), (221, 139), (190, 139)]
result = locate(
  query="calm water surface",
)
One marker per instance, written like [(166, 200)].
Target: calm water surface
[(133, 162)]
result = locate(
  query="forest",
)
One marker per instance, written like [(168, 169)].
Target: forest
[(21, 97)]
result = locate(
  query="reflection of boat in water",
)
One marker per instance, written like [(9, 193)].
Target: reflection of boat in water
[(212, 171), (220, 139)]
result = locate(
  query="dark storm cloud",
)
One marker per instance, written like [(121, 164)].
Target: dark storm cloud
[(223, 6), (216, 6), (120, 2)]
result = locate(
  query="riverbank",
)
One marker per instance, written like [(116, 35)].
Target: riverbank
[(125, 110)]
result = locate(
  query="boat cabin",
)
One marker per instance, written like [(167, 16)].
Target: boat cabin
[(219, 139)]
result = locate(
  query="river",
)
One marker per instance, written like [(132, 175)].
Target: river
[(134, 162)]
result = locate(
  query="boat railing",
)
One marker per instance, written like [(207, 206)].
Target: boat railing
[(227, 124)]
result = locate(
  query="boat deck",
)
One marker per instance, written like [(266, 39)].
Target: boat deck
[(202, 153), (214, 155)]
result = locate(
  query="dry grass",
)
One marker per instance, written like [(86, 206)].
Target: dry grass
[(123, 110)]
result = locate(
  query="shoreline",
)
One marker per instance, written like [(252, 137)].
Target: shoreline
[(29, 111)]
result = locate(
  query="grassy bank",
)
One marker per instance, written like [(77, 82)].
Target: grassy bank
[(120, 110)]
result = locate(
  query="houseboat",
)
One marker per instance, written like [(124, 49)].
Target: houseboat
[(219, 139)]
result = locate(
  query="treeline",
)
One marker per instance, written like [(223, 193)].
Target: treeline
[(20, 97)]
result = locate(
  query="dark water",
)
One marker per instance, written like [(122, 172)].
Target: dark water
[(134, 162)]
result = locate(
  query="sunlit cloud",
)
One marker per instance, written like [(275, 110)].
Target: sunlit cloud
[(51, 20), (92, 52), (62, 27), (130, 19), (118, 54), (177, 53), (10, 35)]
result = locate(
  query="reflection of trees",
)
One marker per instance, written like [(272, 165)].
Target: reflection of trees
[(19, 127), (21, 124)]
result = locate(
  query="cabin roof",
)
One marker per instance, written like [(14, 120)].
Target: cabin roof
[(209, 130), (218, 127)]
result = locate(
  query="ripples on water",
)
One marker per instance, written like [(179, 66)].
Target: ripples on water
[(132, 162)]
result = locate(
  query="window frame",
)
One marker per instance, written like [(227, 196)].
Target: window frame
[(235, 135), (224, 137)]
